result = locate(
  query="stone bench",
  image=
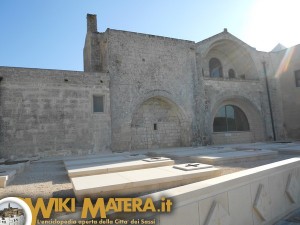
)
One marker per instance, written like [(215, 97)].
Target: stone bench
[(137, 181), (234, 157), (94, 169)]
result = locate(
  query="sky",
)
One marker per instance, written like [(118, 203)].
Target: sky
[(12, 204), (50, 34)]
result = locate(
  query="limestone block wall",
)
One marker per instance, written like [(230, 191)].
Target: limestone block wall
[(146, 67), (283, 65), (245, 94), (246, 91), (50, 112), (257, 196)]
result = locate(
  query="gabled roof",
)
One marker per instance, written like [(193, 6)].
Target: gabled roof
[(225, 34)]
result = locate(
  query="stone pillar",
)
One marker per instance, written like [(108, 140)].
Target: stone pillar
[(91, 23)]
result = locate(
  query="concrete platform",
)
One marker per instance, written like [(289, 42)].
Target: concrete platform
[(197, 152), (102, 160), (137, 181), (294, 150), (19, 167), (94, 169), (266, 146), (6, 177), (234, 157)]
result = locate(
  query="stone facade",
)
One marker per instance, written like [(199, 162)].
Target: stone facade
[(49, 112), (158, 92)]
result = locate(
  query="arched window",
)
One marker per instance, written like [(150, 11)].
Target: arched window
[(230, 118), (215, 68), (231, 73)]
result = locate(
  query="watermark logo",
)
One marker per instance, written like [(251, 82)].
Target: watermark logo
[(26, 211), (14, 211)]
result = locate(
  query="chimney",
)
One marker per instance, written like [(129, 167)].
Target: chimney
[(91, 23)]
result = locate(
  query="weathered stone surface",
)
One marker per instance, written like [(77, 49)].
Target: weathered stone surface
[(94, 169), (235, 156), (137, 181), (49, 112), (101, 160), (292, 189), (263, 187)]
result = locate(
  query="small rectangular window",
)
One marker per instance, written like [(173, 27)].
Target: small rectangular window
[(155, 126), (297, 78), (98, 105)]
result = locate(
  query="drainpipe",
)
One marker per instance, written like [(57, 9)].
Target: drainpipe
[(269, 100)]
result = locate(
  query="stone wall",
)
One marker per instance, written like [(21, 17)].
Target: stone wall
[(283, 67), (246, 91), (50, 112), (245, 94), (144, 67)]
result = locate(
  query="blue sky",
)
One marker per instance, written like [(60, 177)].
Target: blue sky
[(50, 33)]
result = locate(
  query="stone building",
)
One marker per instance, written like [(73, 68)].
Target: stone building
[(12, 216), (140, 91)]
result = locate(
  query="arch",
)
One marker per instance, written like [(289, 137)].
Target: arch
[(231, 73), (256, 128), (230, 118), (232, 54), (158, 122), (215, 68)]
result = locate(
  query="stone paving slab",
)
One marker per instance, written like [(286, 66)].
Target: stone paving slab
[(137, 181), (6, 176), (101, 160), (234, 157), (94, 169)]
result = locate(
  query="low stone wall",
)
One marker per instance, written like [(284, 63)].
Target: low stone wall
[(261, 195)]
